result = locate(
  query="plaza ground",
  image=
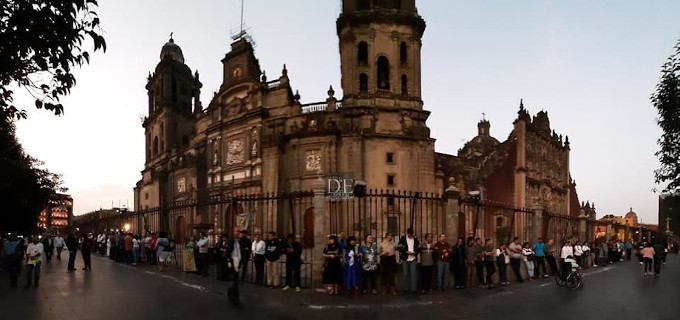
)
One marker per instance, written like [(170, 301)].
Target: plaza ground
[(116, 291)]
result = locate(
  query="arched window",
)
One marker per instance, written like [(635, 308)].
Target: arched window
[(363, 82), (362, 54), (155, 146), (383, 73), (403, 53), (404, 85)]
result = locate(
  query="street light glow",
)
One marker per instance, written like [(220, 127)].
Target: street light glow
[(127, 227)]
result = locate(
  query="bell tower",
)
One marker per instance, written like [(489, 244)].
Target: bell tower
[(174, 100), (380, 42)]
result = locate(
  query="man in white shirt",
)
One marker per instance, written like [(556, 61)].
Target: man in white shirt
[(408, 247), (202, 245), (34, 253), (567, 250), (59, 244), (258, 247), (578, 253)]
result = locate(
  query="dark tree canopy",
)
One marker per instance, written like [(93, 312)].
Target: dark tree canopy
[(40, 42), (666, 100)]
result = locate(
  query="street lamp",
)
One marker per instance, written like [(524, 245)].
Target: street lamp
[(127, 227)]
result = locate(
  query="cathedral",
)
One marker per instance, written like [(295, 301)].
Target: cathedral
[(256, 136)]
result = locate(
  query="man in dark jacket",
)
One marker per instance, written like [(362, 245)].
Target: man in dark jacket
[(72, 245), (246, 249), (233, 256), (48, 245), (458, 263), (272, 254), (408, 252), (293, 251)]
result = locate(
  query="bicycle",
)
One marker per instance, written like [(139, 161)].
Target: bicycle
[(573, 281)]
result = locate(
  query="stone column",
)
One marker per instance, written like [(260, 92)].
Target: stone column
[(537, 223), (582, 226), (319, 232), (451, 194), (626, 235), (607, 234)]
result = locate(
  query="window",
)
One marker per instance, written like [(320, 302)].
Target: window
[(155, 146), (146, 196), (363, 82), (404, 85), (390, 180), (362, 54), (402, 53), (383, 73), (390, 158)]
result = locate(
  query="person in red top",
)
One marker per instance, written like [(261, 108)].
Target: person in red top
[(128, 248), (442, 254), (152, 245), (85, 249)]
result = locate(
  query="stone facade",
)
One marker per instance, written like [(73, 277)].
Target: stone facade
[(256, 136)]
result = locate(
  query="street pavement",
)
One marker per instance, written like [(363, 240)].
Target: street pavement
[(116, 291)]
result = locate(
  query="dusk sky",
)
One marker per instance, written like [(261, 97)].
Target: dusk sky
[(592, 65)]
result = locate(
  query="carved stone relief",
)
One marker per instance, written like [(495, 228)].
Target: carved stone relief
[(313, 158), (235, 151)]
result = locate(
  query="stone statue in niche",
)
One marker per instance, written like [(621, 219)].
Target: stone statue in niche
[(253, 150)]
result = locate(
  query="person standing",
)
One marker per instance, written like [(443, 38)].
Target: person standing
[(72, 245), (258, 249), (202, 245), (470, 262), (162, 253), (135, 250), (189, 263), (146, 243), (128, 248), (503, 259), (629, 249), (479, 262), (388, 263), (586, 254), (246, 251), (48, 245), (221, 270), (427, 264), (489, 261), (567, 250), (369, 264), (550, 253), (539, 249), (13, 254), (34, 254), (293, 251), (101, 243), (85, 249), (658, 254), (121, 253), (332, 272), (442, 254), (516, 258), (233, 254), (352, 269), (648, 257), (459, 264), (59, 245), (529, 257), (408, 253), (578, 253), (272, 255)]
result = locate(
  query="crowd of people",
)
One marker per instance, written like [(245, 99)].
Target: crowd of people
[(472, 262), (29, 253), (351, 263)]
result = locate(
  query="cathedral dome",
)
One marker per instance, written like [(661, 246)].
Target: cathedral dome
[(173, 50), (631, 214)]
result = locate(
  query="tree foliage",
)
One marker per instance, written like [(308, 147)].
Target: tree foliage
[(40, 42), (666, 100)]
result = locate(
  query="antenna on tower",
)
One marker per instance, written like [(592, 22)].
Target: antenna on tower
[(242, 31)]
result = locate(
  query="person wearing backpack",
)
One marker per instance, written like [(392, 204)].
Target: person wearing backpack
[(13, 254)]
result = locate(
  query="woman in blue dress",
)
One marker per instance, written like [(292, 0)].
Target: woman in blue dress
[(352, 267)]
